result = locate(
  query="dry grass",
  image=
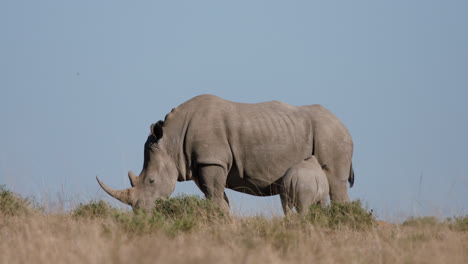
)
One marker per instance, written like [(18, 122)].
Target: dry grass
[(95, 233)]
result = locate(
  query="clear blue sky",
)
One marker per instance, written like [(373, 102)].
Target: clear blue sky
[(81, 82)]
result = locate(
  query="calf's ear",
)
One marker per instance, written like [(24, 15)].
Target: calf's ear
[(157, 129)]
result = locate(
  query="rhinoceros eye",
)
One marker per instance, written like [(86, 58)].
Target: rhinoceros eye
[(151, 180)]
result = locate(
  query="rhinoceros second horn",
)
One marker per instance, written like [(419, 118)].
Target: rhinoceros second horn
[(133, 178)]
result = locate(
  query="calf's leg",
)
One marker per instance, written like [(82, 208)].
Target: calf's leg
[(286, 203)]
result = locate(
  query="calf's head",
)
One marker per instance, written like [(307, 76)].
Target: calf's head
[(157, 179)]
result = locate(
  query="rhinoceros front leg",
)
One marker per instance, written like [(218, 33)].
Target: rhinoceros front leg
[(212, 181), (197, 182)]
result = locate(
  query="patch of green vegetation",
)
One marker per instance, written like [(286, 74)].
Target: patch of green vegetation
[(94, 209), (173, 215), (185, 206), (341, 215), (138, 222), (425, 221), (458, 223), (183, 213), (13, 204)]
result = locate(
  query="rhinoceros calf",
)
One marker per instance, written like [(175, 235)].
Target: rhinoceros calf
[(303, 184), (245, 147)]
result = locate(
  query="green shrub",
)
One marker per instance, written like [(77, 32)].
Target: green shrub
[(173, 215), (94, 209), (13, 204), (338, 215), (183, 213), (458, 223), (185, 206), (138, 222)]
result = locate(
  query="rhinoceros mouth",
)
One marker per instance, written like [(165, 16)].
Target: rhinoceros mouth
[(125, 196)]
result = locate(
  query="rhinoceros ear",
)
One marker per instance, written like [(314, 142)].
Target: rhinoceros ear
[(157, 129)]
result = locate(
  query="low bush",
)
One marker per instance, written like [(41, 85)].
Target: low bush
[(185, 206), (183, 213), (94, 209), (458, 223), (341, 215), (173, 215), (13, 204)]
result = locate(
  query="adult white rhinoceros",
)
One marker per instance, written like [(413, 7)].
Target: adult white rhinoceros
[(245, 147)]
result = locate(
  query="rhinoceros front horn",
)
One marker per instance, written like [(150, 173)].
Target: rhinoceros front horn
[(133, 178), (125, 196)]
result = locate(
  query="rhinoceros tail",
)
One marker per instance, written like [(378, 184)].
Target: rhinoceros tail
[(351, 176)]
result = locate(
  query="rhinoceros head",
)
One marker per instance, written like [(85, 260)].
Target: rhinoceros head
[(157, 179)]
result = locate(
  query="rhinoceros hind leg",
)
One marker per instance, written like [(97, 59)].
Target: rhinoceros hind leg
[(286, 203), (339, 191), (338, 175)]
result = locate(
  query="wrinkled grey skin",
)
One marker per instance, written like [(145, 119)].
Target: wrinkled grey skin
[(245, 147), (303, 184)]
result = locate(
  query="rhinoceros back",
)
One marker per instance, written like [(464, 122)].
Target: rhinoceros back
[(257, 141)]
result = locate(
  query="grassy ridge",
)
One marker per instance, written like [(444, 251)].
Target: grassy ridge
[(190, 229), (173, 215), (12, 204)]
